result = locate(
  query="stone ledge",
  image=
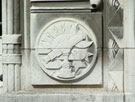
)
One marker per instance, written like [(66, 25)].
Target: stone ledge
[(62, 97)]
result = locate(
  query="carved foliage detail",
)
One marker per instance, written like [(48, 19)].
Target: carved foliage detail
[(66, 50)]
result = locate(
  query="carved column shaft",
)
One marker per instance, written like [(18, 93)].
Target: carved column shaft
[(11, 45)]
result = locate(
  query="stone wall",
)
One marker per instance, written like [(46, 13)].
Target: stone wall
[(68, 51)]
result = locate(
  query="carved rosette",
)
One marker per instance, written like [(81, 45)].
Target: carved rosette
[(66, 49)]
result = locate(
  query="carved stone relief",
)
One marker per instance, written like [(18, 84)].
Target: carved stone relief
[(66, 49), (114, 48), (115, 43)]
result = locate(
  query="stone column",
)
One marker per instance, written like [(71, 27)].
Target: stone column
[(11, 45)]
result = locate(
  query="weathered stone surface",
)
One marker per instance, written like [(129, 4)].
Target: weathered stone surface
[(64, 58), (61, 97)]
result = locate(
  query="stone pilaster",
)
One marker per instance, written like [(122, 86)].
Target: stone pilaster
[(129, 31), (11, 42)]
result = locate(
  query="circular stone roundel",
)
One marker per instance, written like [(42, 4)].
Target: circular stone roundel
[(66, 49)]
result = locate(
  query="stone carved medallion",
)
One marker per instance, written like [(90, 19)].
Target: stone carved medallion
[(66, 49)]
